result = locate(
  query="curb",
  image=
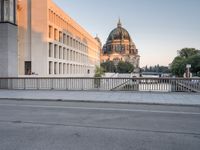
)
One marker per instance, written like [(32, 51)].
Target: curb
[(98, 101)]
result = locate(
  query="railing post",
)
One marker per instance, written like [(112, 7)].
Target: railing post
[(24, 84), (37, 82), (51, 84), (82, 84)]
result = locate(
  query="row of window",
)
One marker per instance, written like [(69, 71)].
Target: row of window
[(59, 52), (58, 68), (66, 39)]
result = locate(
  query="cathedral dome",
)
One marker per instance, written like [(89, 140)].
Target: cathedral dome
[(119, 33), (120, 47)]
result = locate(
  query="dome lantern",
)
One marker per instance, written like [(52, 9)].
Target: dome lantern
[(119, 25)]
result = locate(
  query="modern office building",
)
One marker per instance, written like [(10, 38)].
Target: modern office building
[(50, 43)]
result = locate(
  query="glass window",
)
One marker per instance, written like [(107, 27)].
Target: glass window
[(0, 10), (50, 50), (50, 31), (50, 67), (11, 15), (55, 68), (60, 52), (28, 68), (6, 10)]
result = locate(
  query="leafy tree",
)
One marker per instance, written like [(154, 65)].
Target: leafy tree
[(125, 67), (186, 56), (99, 72), (188, 52), (108, 66), (195, 63), (178, 66)]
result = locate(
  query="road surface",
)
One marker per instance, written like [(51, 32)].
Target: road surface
[(45, 125)]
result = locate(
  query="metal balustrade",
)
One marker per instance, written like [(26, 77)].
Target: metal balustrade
[(103, 84)]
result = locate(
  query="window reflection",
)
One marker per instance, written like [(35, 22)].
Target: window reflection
[(11, 14), (7, 11), (0, 11)]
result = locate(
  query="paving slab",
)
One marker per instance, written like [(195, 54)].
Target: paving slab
[(104, 96)]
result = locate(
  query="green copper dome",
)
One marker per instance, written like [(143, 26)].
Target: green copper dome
[(119, 33)]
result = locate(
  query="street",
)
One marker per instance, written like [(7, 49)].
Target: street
[(51, 125)]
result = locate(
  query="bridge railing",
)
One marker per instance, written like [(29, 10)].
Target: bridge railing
[(103, 84)]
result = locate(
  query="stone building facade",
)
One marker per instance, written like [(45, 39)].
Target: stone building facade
[(120, 47), (50, 43)]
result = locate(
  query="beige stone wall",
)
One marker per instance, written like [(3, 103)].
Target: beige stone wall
[(54, 43)]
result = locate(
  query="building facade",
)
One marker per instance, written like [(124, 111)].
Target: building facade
[(8, 39), (120, 47), (50, 43)]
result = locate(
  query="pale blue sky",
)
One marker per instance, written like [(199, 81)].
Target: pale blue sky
[(158, 27)]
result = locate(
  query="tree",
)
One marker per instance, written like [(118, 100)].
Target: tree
[(195, 63), (125, 67), (108, 66), (186, 56), (99, 72), (188, 52), (178, 66)]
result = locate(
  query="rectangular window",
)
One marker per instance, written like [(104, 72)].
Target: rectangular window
[(50, 67), (55, 34), (0, 10), (50, 31), (64, 69), (28, 68), (50, 50), (60, 52), (67, 54), (11, 15), (55, 51), (55, 68), (70, 42), (64, 53), (6, 10), (67, 40), (60, 68), (64, 39), (60, 37)]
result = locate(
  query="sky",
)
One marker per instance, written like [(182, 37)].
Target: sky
[(158, 27)]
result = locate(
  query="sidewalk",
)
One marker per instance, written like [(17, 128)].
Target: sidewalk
[(110, 97)]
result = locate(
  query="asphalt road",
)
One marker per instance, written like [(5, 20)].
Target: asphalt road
[(40, 125)]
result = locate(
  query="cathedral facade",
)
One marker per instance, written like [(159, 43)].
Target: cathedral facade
[(120, 47)]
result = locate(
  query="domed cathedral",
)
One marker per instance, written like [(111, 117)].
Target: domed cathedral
[(120, 47)]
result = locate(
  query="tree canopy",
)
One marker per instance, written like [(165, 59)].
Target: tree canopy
[(99, 72), (125, 67), (186, 56), (121, 67)]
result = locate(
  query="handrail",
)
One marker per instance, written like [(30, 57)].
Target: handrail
[(165, 84)]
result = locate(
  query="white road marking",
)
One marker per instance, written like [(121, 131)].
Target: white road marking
[(104, 109)]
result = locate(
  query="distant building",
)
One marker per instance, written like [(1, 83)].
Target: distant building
[(119, 46), (49, 42)]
